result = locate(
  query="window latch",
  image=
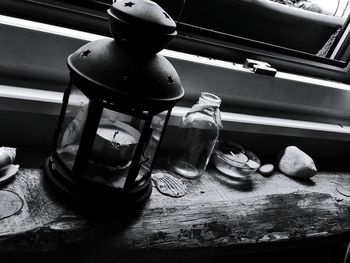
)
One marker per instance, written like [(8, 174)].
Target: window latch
[(259, 67)]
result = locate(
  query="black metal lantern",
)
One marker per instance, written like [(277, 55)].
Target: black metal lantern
[(116, 107)]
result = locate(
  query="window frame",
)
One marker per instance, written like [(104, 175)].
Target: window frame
[(243, 91), (90, 17)]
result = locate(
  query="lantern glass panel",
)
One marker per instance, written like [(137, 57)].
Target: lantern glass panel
[(116, 141), (72, 127), (151, 147), (157, 130)]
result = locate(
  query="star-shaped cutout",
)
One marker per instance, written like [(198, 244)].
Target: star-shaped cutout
[(86, 53), (166, 15), (170, 80), (129, 4)]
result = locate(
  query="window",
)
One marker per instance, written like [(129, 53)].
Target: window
[(33, 74), (289, 38)]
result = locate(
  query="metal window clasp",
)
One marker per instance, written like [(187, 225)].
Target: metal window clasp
[(259, 67)]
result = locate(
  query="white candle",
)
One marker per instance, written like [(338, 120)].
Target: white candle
[(117, 137), (115, 145)]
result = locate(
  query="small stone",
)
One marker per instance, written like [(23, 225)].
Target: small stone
[(253, 164), (295, 163), (237, 157), (266, 169)]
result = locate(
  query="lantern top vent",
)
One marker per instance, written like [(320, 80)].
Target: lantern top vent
[(104, 70), (126, 70), (142, 24)]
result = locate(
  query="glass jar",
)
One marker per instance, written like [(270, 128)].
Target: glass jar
[(196, 137)]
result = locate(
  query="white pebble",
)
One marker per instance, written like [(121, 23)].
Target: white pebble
[(294, 162), (266, 169)]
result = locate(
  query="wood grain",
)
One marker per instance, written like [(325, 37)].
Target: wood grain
[(217, 212)]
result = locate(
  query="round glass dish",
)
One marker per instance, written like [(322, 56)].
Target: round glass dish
[(231, 159)]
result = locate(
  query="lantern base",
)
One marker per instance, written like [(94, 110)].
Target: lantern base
[(94, 193)]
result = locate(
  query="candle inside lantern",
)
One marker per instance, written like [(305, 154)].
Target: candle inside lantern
[(114, 145), (116, 136)]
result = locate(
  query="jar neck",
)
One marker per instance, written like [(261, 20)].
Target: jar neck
[(209, 99)]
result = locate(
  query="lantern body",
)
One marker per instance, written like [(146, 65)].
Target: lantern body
[(114, 158), (115, 110)]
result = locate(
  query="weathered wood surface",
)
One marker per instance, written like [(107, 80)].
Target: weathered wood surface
[(217, 212)]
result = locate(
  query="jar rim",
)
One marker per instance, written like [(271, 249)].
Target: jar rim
[(210, 98)]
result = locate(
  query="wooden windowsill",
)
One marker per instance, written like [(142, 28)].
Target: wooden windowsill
[(228, 216)]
